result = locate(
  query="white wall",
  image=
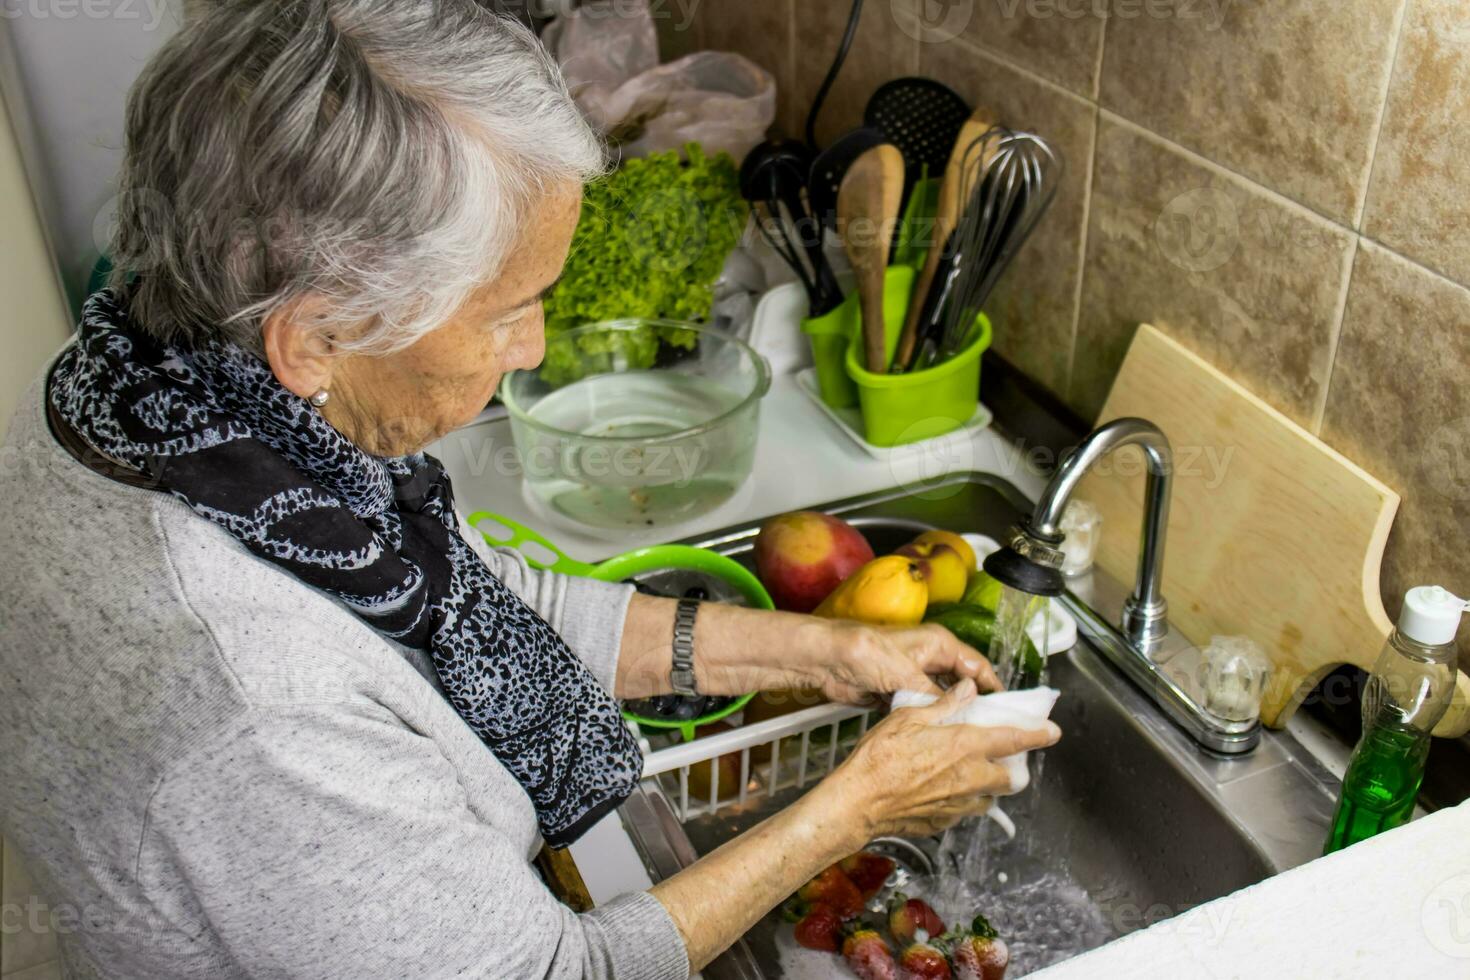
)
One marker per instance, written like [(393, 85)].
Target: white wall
[(33, 323), (33, 318), (75, 60)]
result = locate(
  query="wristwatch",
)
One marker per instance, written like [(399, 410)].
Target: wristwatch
[(683, 672)]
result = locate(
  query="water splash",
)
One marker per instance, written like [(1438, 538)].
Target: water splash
[(1023, 886)]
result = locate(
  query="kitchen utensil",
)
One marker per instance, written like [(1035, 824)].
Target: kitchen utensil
[(946, 217), (901, 408), (708, 572), (830, 166), (660, 429), (773, 178), (867, 207), (1272, 534), (830, 335), (763, 171), (923, 118), (1013, 185)]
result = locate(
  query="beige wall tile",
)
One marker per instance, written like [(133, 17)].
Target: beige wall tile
[(1058, 39), (1250, 282), (761, 31), (45, 971), (1034, 307), (680, 27), (26, 947), (1288, 94), (886, 47), (1399, 406), (1419, 200)]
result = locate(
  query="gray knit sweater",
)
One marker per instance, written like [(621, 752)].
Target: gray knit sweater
[(216, 771)]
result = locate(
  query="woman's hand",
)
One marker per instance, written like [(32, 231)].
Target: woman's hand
[(864, 660), (739, 650), (912, 776)]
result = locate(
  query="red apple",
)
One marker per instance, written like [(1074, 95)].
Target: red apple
[(801, 557)]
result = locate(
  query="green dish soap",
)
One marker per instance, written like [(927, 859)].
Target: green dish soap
[(1406, 696)]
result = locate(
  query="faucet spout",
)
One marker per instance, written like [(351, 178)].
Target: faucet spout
[(1145, 613), (1140, 644)]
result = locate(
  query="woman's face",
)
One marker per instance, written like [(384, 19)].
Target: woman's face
[(399, 403)]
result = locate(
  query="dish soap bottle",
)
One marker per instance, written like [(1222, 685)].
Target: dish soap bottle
[(1406, 696)]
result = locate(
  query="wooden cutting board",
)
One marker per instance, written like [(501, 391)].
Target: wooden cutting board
[(1272, 534)]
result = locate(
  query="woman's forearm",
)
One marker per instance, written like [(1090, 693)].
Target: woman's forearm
[(737, 650), (716, 900)]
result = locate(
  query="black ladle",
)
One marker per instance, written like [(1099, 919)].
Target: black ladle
[(832, 165), (923, 118), (774, 174)]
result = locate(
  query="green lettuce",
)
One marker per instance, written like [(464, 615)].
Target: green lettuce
[(650, 243)]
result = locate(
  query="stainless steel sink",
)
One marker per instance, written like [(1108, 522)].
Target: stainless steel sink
[(1127, 806)]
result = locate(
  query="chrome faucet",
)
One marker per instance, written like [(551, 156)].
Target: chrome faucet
[(1141, 644)]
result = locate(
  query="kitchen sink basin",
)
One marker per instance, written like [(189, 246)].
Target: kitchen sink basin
[(1128, 822)]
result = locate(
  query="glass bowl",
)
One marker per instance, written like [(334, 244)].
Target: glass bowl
[(637, 423)]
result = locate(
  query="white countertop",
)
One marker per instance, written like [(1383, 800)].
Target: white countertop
[(1394, 906)]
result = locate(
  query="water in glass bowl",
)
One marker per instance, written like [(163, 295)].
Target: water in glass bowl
[(635, 449)]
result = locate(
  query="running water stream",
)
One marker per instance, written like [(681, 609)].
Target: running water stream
[(1021, 885)]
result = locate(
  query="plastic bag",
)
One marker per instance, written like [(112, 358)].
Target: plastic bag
[(609, 55)]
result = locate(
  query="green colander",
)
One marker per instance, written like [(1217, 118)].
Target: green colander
[(540, 553)]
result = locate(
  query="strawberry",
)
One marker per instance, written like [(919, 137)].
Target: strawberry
[(835, 890), (869, 956), (980, 954), (819, 929), (908, 916), (867, 870), (920, 961)]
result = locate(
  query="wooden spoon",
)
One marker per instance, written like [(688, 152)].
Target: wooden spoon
[(946, 217), (867, 212)]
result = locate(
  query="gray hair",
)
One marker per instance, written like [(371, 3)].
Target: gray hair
[(381, 154)]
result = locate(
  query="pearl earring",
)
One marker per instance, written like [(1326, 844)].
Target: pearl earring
[(320, 398)]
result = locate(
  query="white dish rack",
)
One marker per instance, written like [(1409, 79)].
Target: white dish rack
[(803, 747)]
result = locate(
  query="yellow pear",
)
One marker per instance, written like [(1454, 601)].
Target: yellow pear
[(889, 591)]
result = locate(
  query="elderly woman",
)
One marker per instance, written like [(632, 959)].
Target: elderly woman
[(251, 662)]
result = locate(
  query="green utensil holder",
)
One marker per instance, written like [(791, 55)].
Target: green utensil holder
[(831, 333), (901, 408)]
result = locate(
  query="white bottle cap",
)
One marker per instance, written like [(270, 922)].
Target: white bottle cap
[(1431, 615)]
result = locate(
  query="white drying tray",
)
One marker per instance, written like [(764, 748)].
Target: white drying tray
[(850, 421)]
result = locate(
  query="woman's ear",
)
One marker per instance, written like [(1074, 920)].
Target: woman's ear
[(299, 354)]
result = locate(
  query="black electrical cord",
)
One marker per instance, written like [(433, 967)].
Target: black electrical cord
[(842, 50)]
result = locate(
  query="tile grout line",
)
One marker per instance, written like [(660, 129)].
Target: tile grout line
[(1194, 156), (1376, 136), (1281, 200), (1097, 66), (791, 60), (996, 57), (1334, 341), (1087, 192)]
